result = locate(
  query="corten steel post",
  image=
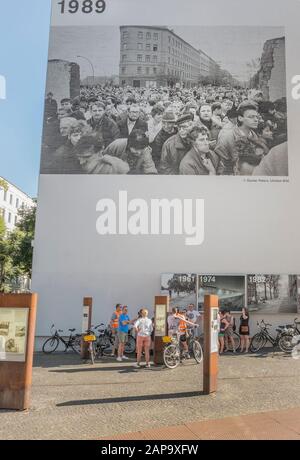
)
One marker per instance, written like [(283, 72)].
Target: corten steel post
[(16, 377), (88, 307), (160, 327), (210, 361)]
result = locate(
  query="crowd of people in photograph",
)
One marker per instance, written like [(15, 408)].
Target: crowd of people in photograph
[(182, 323), (207, 130)]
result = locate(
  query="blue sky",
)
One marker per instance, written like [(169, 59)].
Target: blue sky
[(24, 35)]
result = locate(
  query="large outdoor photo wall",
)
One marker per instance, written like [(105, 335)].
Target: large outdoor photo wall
[(250, 192)]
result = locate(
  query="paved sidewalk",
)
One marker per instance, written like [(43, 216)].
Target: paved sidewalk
[(75, 400), (276, 425)]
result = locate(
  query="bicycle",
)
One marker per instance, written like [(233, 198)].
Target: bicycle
[(106, 339), (90, 338), (292, 331), (237, 342), (173, 354), (260, 339), (51, 344)]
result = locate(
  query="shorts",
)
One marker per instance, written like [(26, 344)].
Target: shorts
[(143, 342), (221, 334), (228, 332), (122, 336)]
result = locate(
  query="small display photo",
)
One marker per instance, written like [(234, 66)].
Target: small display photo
[(181, 289), (13, 334), (272, 294), (230, 290), (4, 328)]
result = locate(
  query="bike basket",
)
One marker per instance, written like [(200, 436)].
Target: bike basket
[(167, 339), (89, 338)]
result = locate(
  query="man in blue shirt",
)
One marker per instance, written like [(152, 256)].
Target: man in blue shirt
[(123, 329)]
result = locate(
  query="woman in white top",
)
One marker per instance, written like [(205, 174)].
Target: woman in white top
[(144, 329)]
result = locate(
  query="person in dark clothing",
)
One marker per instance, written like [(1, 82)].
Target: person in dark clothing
[(50, 107), (244, 330), (131, 122), (168, 130), (102, 125)]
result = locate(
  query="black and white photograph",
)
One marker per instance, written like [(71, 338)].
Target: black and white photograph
[(180, 287), (272, 294), (229, 288), (20, 331), (4, 328), (166, 100)]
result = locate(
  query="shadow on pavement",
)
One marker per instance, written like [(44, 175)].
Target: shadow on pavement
[(157, 397)]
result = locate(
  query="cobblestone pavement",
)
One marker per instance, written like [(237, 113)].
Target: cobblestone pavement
[(74, 400)]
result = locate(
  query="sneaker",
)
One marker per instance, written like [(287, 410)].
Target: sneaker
[(137, 365), (125, 357), (148, 365), (119, 359), (113, 355)]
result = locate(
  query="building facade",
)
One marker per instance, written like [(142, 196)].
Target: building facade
[(156, 56), (11, 200)]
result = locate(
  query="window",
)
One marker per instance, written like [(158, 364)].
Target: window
[(169, 39), (140, 46), (139, 70), (154, 58), (169, 50), (124, 46), (169, 60), (147, 58), (16, 220), (123, 70), (125, 34), (17, 203), (5, 195), (139, 57), (10, 199), (140, 35), (148, 36), (148, 47), (147, 70), (154, 70), (9, 217), (124, 57), (155, 36), (155, 47)]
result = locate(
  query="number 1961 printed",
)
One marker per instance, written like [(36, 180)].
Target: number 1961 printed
[(84, 6)]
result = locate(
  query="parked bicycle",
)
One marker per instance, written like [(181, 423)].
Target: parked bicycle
[(73, 341), (105, 341), (90, 338), (173, 353), (292, 330), (260, 339)]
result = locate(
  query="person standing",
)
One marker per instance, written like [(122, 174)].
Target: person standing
[(124, 322), (194, 316), (114, 325), (144, 328), (223, 326), (244, 330), (229, 331)]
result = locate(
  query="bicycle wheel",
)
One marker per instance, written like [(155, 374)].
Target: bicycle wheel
[(197, 351), (285, 343), (258, 341), (130, 345), (171, 356), (50, 345), (76, 344), (237, 342)]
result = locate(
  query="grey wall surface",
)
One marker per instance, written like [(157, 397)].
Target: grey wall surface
[(250, 226)]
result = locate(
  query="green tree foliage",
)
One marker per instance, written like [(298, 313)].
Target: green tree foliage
[(16, 249)]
